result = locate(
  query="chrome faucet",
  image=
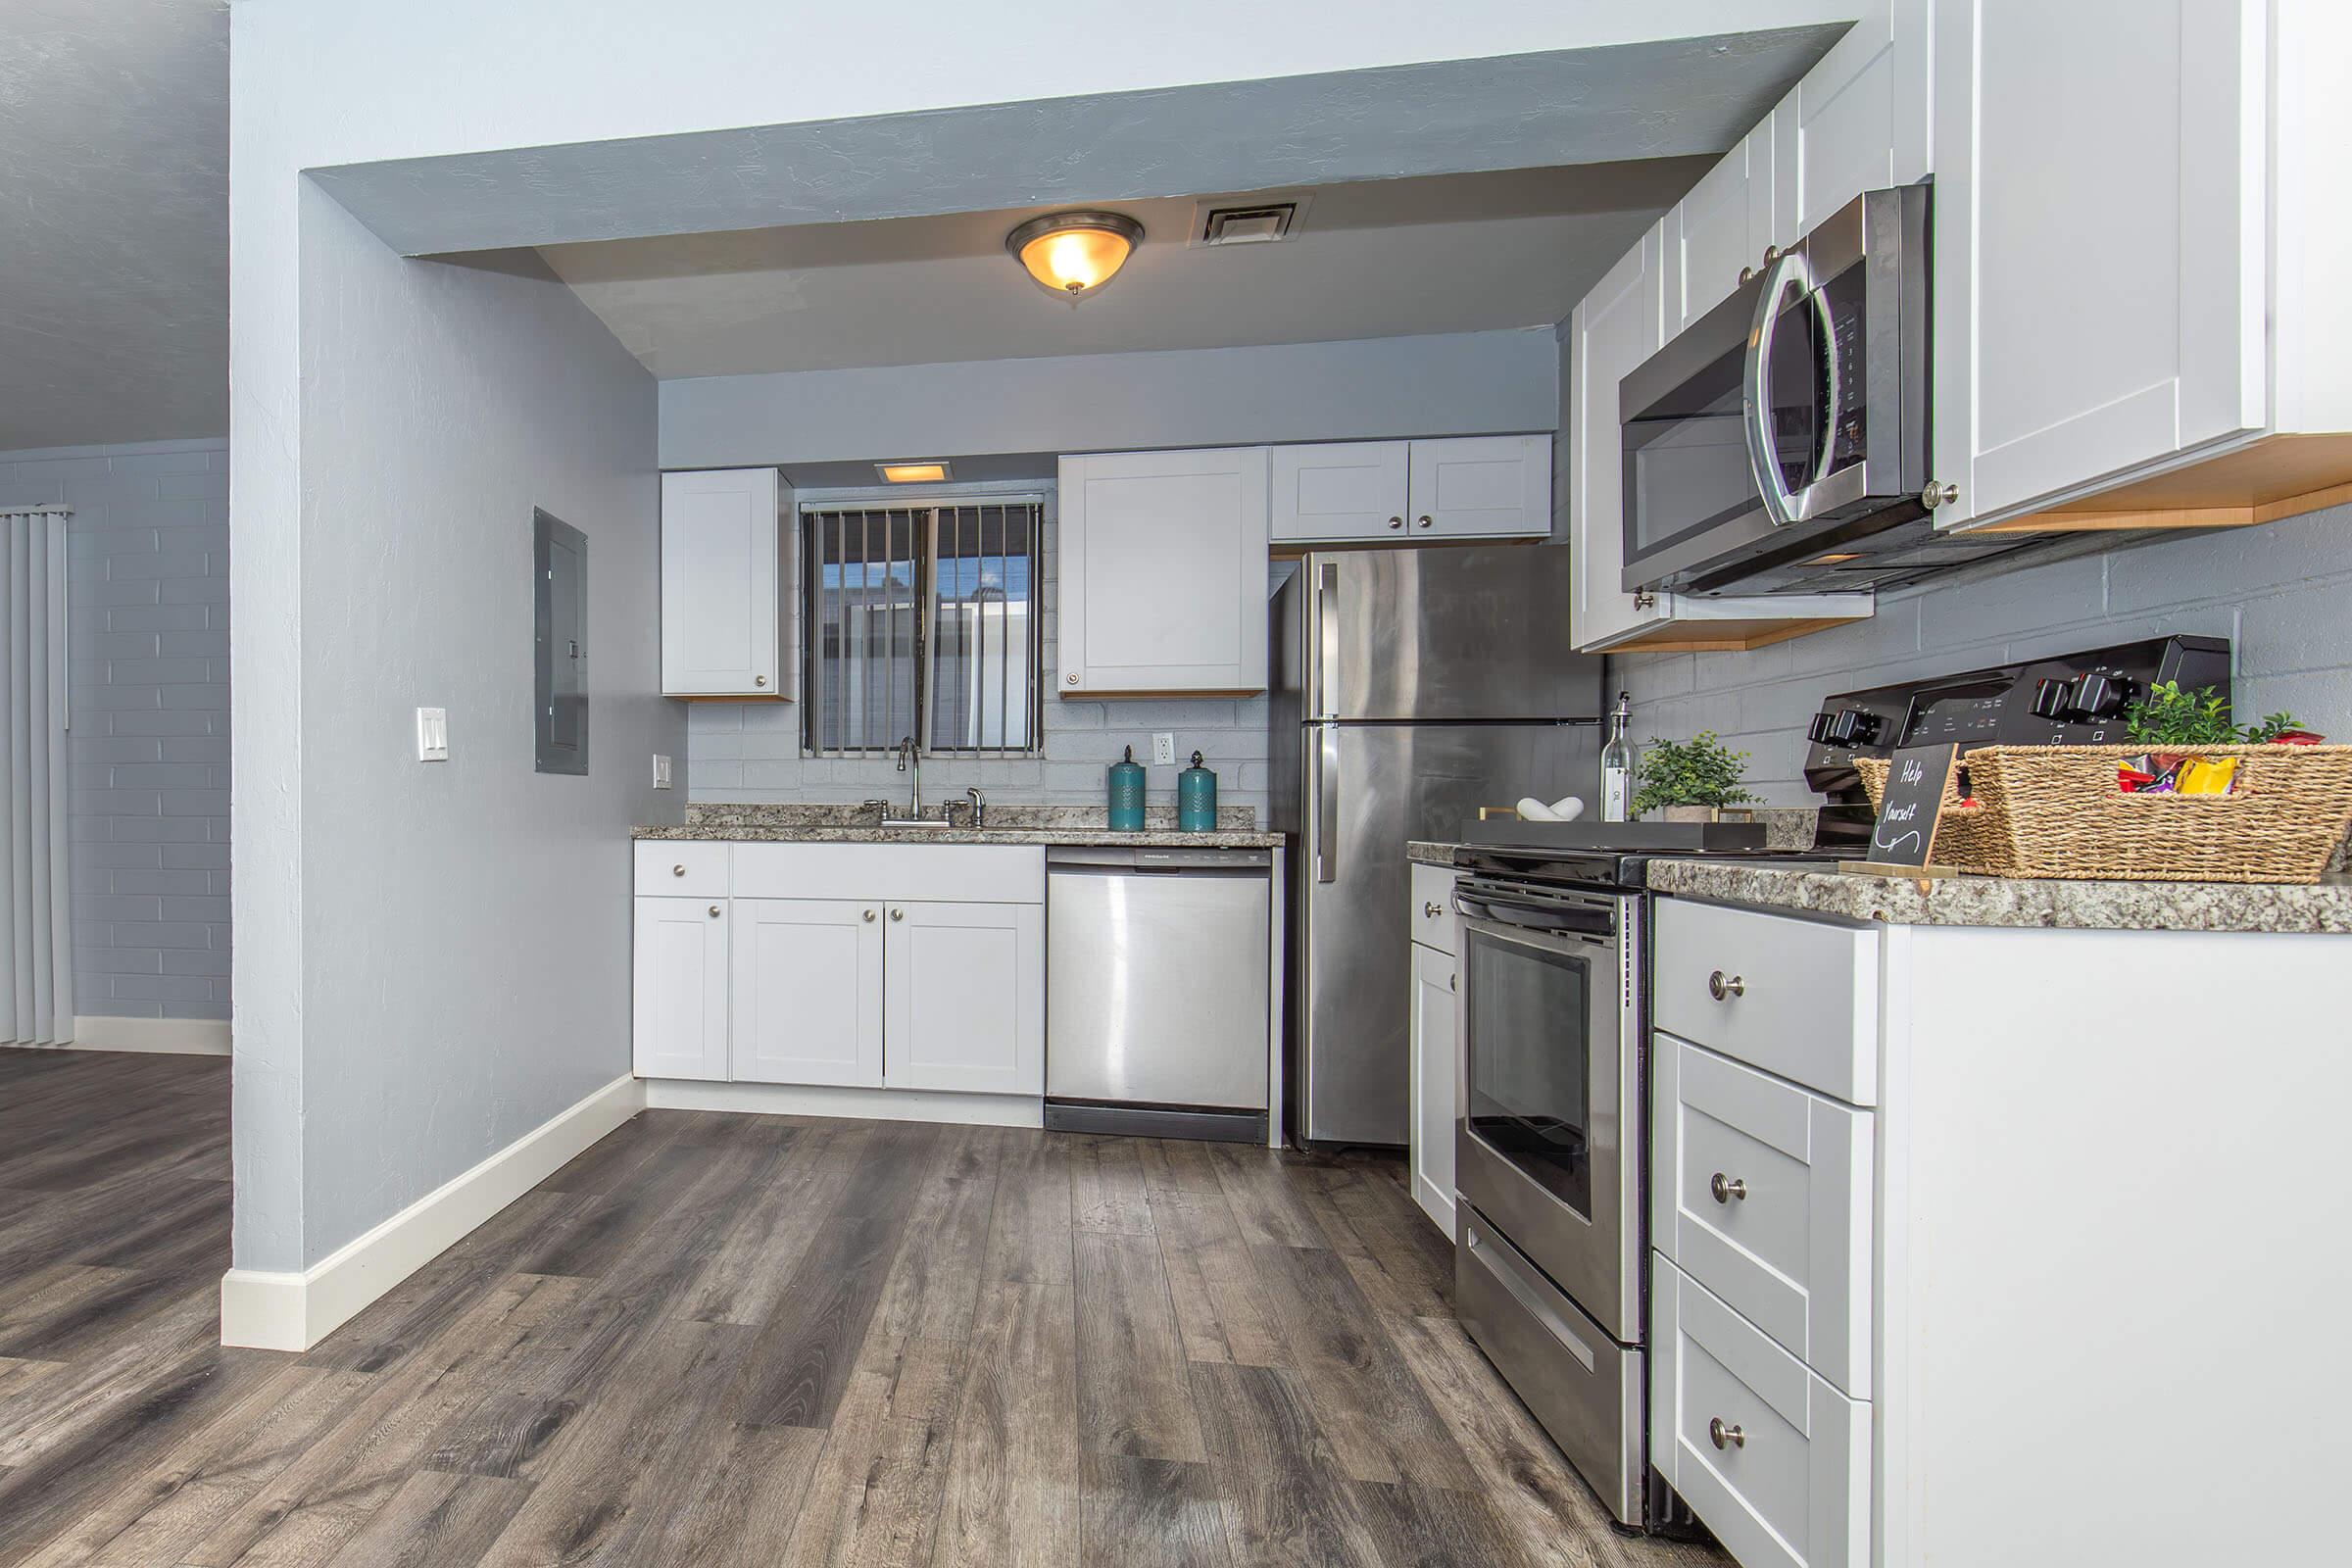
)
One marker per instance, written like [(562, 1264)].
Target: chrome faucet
[(979, 806), (911, 757)]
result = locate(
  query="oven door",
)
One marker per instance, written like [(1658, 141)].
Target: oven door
[(1789, 418), (1547, 1144)]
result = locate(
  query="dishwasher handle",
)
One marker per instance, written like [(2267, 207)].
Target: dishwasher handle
[(1148, 859)]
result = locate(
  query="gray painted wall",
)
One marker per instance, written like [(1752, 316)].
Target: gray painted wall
[(2277, 592), (752, 751), (465, 925), (148, 668), (1463, 384)]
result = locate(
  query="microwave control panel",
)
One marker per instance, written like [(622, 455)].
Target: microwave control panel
[(2073, 700)]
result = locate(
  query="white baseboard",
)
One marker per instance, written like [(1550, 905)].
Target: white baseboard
[(293, 1311), (833, 1100), (182, 1036)]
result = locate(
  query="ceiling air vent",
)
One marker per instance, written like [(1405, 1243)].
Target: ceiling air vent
[(1244, 224)]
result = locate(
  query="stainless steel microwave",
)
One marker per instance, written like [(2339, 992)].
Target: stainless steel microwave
[(1780, 443)]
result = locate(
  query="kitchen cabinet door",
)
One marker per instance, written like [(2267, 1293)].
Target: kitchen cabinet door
[(964, 998), (679, 1000), (1861, 119), (2099, 241), (1716, 235), (1337, 492), (1616, 328), (807, 992), (1479, 487), (724, 579), (1433, 1045), (1162, 573)]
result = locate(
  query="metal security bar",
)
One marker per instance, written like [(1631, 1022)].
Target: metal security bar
[(921, 621)]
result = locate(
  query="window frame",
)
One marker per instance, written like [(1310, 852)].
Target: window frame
[(925, 515)]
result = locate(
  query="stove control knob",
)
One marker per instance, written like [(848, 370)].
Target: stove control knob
[(1847, 726), (2050, 700), (2093, 696)]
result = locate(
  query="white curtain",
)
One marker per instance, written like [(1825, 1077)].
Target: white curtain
[(36, 949)]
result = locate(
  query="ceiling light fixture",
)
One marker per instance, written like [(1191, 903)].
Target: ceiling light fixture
[(1074, 254), (913, 473)]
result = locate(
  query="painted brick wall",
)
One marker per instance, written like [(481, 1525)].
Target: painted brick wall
[(745, 751), (148, 670), (2279, 593)]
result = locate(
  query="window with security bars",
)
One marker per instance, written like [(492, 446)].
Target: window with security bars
[(923, 622)]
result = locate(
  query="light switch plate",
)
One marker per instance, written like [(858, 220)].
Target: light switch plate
[(432, 734), (1164, 748), (660, 771)]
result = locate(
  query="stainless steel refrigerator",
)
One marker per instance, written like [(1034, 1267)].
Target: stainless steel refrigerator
[(1409, 688)]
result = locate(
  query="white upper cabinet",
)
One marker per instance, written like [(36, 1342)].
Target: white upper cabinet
[(1861, 119), (1714, 237), (1163, 572), (1479, 487), (1418, 492), (2100, 239), (725, 578), (1338, 490)]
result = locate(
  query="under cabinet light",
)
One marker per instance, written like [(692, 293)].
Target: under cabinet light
[(913, 473)]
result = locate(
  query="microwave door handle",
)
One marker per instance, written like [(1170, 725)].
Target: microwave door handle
[(1781, 504)]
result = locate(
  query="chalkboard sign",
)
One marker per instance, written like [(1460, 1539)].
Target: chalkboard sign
[(1910, 806)]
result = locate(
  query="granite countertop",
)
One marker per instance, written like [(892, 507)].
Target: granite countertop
[(1237, 827), (1422, 854), (1819, 888)]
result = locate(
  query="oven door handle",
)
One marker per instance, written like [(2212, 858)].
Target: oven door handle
[(1535, 916), (1782, 505)]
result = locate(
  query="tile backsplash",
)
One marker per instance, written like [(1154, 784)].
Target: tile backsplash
[(2277, 592)]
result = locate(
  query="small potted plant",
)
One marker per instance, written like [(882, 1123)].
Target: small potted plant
[(1690, 781)]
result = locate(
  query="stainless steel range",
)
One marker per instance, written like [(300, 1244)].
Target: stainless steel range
[(1551, 1247)]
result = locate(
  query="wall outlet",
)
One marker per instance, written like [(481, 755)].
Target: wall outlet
[(432, 734), (660, 771), (1164, 748)]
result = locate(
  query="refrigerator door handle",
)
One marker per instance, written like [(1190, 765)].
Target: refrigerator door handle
[(1327, 807), (1327, 625)]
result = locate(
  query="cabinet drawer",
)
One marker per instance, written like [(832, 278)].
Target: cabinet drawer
[(1796, 998), (937, 874), (682, 869), (1774, 1460), (1761, 1192), (1435, 924)]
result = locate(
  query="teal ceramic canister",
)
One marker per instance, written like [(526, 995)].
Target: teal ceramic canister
[(1127, 794), (1197, 799)]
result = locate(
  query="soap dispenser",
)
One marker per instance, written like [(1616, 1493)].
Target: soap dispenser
[(1127, 794)]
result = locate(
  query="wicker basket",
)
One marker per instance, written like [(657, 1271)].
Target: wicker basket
[(1968, 838), (2056, 812)]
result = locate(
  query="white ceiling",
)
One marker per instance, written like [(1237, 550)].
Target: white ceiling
[(1447, 253), (114, 220)]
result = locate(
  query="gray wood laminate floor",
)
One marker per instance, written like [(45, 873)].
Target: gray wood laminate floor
[(720, 1339)]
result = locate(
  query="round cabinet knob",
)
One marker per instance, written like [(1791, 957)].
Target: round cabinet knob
[(1771, 254), (1938, 495), (898, 914), (1430, 910), (1073, 680), (1746, 273), (1722, 987), (1724, 1437), (1726, 1187), (869, 916), (678, 871), (715, 911), (759, 680), (1424, 522), (1395, 523)]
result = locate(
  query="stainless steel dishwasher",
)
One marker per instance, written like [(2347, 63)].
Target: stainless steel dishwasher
[(1156, 974)]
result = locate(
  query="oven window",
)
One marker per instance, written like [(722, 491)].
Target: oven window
[(1529, 1061)]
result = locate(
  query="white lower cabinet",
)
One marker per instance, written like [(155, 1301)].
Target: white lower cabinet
[(1433, 1046), (1774, 1459), (843, 965), (964, 998), (680, 1007), (807, 992)]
